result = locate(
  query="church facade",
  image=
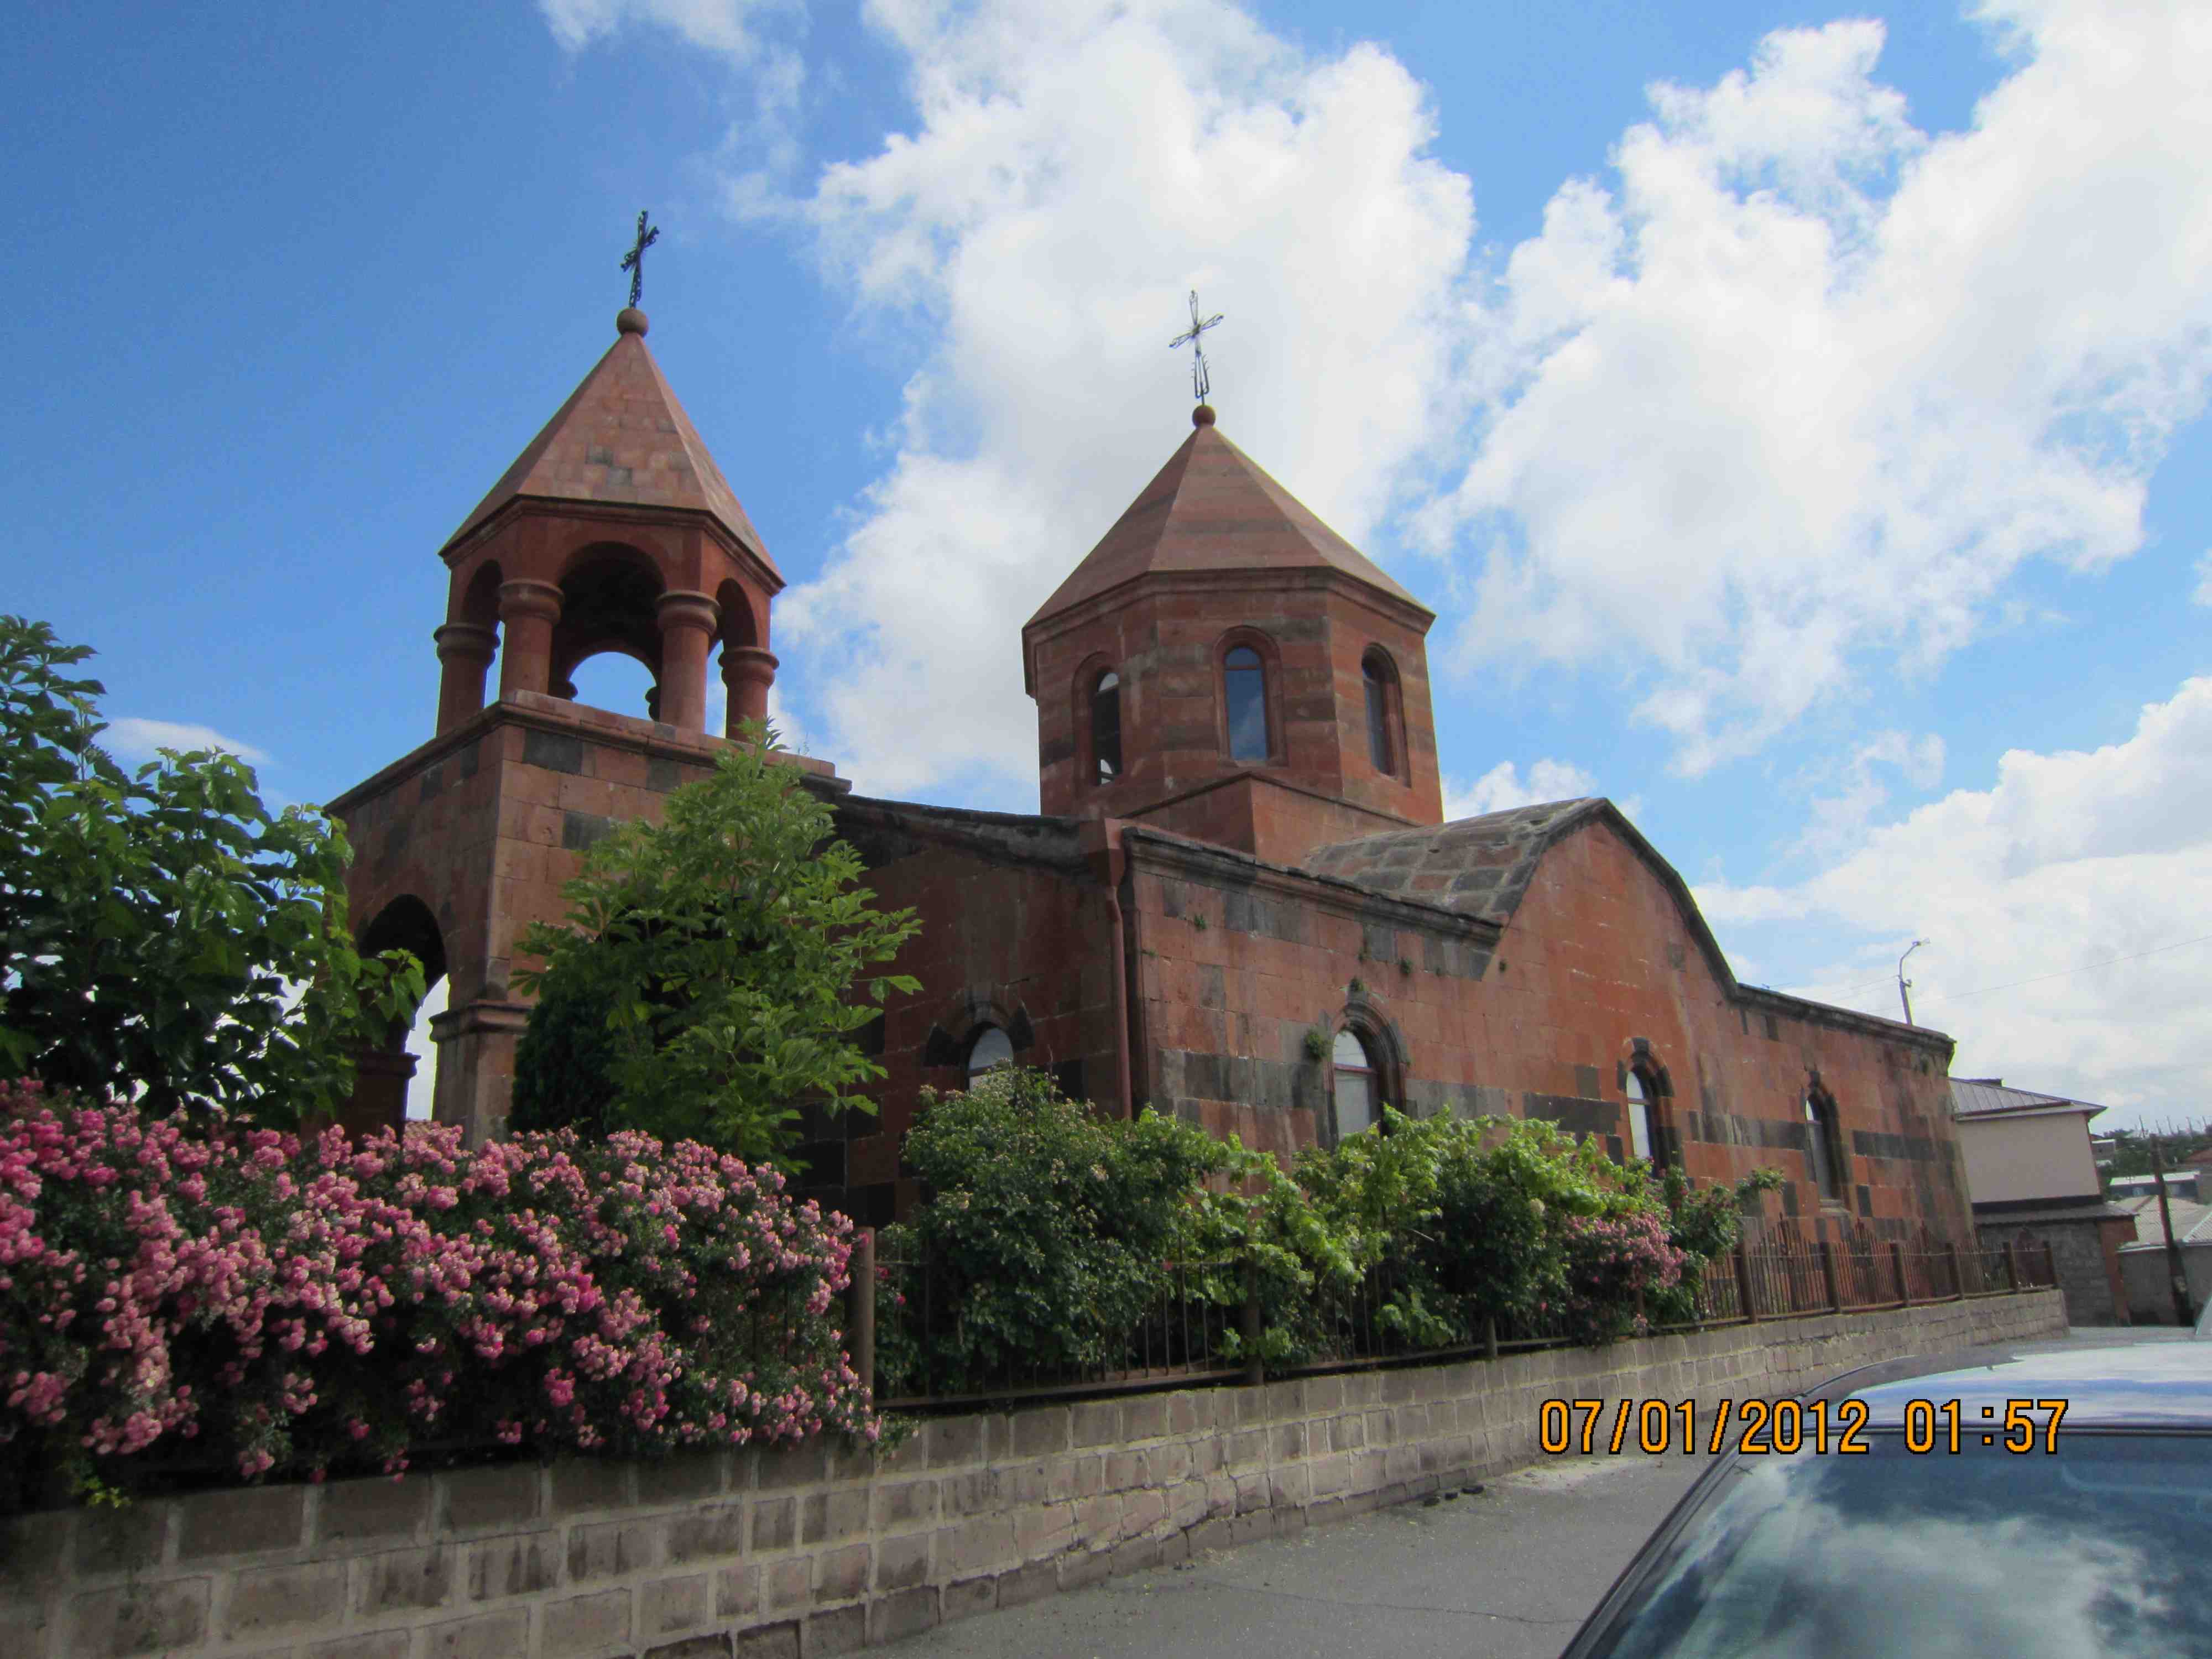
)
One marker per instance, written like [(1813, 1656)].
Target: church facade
[(1239, 901)]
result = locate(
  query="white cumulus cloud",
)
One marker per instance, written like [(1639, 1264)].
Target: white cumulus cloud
[(1503, 787), (1784, 398), (722, 26), (2068, 910), (1071, 170), (133, 738), (1803, 387)]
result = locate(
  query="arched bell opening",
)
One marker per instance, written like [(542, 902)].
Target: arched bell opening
[(609, 605), (385, 1074), (612, 676)]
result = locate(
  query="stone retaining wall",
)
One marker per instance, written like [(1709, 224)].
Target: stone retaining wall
[(821, 1550)]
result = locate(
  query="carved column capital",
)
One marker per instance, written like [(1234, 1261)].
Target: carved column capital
[(465, 641), (525, 597), (683, 608), (748, 664)]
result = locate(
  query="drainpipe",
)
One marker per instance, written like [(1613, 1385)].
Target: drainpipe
[(1110, 862)]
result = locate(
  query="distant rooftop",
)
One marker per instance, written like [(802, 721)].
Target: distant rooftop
[(1987, 1096)]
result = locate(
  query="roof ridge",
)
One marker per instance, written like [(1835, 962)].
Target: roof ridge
[(609, 443), (1216, 510)]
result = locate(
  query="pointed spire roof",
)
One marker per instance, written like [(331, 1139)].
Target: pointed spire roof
[(621, 437), (1212, 508)]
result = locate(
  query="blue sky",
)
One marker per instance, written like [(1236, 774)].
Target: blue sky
[(1794, 416)]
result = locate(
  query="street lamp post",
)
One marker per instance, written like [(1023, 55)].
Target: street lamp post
[(1904, 984)]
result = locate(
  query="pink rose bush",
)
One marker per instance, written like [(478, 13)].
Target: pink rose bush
[(1613, 1262), (169, 1292)]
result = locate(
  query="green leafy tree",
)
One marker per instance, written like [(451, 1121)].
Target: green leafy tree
[(163, 935), (716, 951)]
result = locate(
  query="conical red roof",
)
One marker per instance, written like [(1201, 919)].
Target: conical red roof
[(621, 437), (1212, 508)]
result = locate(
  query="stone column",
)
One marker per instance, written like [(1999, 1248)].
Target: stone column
[(527, 610), (688, 621), (476, 1066), (381, 1077), (465, 652), (747, 674)]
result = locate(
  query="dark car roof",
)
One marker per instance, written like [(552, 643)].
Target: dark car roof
[(2161, 1385)]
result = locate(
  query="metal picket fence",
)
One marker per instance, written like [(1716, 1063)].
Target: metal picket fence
[(1203, 1321)]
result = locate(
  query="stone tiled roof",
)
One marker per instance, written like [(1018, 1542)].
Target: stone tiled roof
[(1210, 508), (621, 437), (1480, 867)]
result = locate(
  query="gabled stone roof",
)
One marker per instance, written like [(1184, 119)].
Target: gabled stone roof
[(1212, 509), (621, 437), (1480, 867)]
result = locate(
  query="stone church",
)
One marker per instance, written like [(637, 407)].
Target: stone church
[(1238, 902)]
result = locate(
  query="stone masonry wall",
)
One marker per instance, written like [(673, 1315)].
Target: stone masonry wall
[(1599, 966), (821, 1550), (2084, 1256)]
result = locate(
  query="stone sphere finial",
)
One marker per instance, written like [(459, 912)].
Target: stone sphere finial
[(631, 320), (1202, 415)]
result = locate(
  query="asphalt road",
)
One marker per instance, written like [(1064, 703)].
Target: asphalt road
[(1510, 1571)]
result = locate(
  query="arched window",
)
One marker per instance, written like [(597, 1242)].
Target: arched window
[(990, 1049), (1823, 1145), (1244, 688), (1642, 1117), (1355, 1084), (1380, 680), (1106, 728)]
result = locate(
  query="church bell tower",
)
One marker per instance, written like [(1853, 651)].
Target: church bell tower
[(614, 531), (1224, 665)]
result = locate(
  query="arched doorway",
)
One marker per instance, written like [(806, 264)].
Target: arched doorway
[(385, 1080)]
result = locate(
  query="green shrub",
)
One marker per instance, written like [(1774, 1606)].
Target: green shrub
[(564, 1065), (1048, 1228), (1464, 1221), (1705, 1223)]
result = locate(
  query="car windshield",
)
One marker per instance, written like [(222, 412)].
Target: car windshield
[(2098, 1549)]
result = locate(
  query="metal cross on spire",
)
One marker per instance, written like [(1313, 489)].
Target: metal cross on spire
[(1200, 384), (633, 261)]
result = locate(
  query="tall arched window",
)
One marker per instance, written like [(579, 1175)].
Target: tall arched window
[(1376, 672), (1642, 1117), (991, 1049), (1244, 686), (1355, 1084), (1106, 728), (1823, 1145)]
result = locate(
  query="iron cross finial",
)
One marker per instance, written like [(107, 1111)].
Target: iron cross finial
[(633, 261), (1199, 383)]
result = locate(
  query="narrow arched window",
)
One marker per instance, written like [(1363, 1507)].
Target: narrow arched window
[(1355, 1084), (1380, 749), (1244, 685), (990, 1050), (1823, 1146), (1643, 1130), (1106, 728)]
